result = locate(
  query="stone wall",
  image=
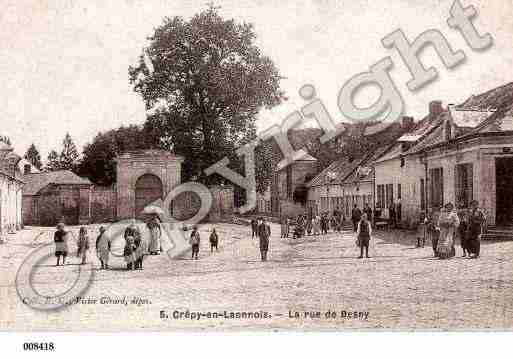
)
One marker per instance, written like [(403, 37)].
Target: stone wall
[(103, 204)]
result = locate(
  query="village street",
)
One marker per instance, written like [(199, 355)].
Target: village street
[(400, 287)]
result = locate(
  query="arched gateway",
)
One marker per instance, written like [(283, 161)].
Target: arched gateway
[(148, 189), (143, 177)]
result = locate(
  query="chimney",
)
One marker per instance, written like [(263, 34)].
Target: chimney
[(407, 122), (435, 108)]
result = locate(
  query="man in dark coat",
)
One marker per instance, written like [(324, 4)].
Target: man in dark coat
[(264, 232), (356, 216), (133, 232), (475, 225)]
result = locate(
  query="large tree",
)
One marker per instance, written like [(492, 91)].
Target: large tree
[(207, 82), (34, 157), (98, 162)]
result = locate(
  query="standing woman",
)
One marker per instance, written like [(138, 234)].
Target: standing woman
[(477, 220), (283, 227), (463, 231), (60, 238), (363, 233), (448, 224), (83, 244), (103, 248), (155, 235), (432, 231)]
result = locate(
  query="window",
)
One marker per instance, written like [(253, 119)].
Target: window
[(464, 184), (380, 202), (389, 194), (422, 194), (436, 191), (398, 191)]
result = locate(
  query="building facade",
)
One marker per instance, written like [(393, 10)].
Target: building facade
[(11, 186)]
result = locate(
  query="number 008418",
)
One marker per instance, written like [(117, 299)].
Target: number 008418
[(38, 346)]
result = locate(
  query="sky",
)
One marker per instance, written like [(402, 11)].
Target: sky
[(64, 63)]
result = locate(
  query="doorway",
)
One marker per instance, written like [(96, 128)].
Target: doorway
[(504, 191), (148, 189)]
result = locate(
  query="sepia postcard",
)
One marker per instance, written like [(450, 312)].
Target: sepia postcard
[(315, 165)]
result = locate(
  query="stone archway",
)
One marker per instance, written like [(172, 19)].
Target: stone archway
[(148, 189)]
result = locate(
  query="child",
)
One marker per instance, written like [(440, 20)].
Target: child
[(214, 240), (61, 247), (421, 230), (83, 244), (195, 242), (129, 252)]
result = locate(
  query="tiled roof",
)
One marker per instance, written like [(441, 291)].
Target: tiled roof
[(35, 182), (340, 168), (496, 98), (469, 118)]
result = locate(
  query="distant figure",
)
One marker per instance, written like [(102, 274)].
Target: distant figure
[(129, 252), (363, 233), (195, 242), (448, 224), (83, 244), (60, 239), (392, 215), (287, 227), (154, 247), (368, 211), (477, 220), (264, 232), (421, 230), (324, 223), (214, 240), (133, 235), (432, 231), (309, 225), (254, 228), (356, 216), (283, 227), (103, 248), (463, 216), (316, 226)]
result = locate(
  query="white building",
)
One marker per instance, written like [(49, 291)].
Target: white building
[(10, 190)]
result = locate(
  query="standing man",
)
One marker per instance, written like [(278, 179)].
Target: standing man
[(264, 232), (475, 225), (356, 216)]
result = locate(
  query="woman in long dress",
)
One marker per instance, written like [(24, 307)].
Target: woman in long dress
[(316, 226), (155, 236), (448, 223), (83, 245), (103, 248)]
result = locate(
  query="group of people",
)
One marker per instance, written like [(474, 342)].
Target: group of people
[(134, 251), (445, 227)]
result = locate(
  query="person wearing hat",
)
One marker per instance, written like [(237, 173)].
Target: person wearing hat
[(60, 239), (103, 248), (195, 242)]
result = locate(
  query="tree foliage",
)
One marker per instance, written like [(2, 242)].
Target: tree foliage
[(209, 82), (34, 157), (69, 156), (98, 159), (5, 139), (53, 162)]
